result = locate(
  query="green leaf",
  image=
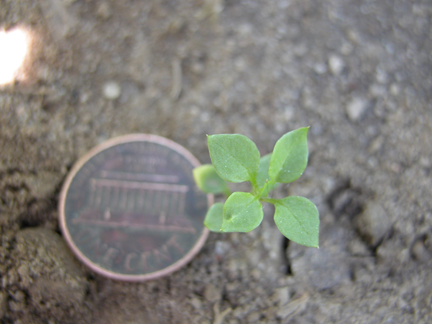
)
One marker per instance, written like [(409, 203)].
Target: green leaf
[(297, 218), (290, 155), (208, 180), (213, 219), (263, 170), (235, 157), (242, 212), (263, 175)]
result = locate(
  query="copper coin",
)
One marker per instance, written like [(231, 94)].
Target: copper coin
[(130, 209)]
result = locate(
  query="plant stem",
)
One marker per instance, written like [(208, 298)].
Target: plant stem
[(254, 183), (227, 192), (269, 200), (262, 191)]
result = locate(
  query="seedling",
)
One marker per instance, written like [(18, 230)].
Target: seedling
[(236, 159)]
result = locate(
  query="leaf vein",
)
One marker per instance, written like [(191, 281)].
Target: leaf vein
[(286, 158), (234, 158), (296, 218)]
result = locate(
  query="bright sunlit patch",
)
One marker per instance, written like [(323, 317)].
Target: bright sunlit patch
[(14, 45)]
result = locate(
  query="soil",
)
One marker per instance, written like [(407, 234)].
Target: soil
[(359, 72)]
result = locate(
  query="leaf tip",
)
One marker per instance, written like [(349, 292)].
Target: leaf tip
[(315, 244)]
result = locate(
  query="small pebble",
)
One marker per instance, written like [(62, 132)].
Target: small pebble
[(394, 89), (111, 90), (320, 68), (356, 108), (346, 49), (381, 76), (195, 302), (420, 252), (255, 273), (282, 296), (104, 11), (336, 64), (253, 317), (221, 248), (376, 145)]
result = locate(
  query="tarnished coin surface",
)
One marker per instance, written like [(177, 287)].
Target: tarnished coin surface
[(130, 209)]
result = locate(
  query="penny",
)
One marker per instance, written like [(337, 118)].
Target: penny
[(130, 210)]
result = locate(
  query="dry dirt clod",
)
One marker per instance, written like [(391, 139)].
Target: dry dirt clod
[(420, 251), (176, 86), (47, 272), (3, 303), (374, 223), (211, 293), (293, 307)]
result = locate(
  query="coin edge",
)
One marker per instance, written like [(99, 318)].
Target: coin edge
[(137, 137)]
